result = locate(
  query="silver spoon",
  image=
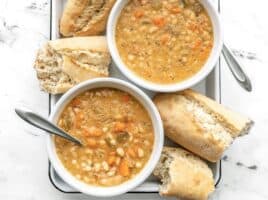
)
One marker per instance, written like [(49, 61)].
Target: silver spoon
[(235, 67), (42, 123)]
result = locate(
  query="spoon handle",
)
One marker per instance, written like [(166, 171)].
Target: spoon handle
[(235, 67), (42, 123)]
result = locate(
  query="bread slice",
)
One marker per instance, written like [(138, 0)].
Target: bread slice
[(85, 17), (200, 124), (63, 63), (184, 175)]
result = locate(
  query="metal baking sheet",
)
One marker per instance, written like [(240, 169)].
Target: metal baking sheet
[(209, 87)]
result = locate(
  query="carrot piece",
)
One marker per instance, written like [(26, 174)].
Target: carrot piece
[(91, 142), (76, 102), (165, 38), (78, 119), (175, 10), (197, 44), (111, 160), (123, 168), (112, 153), (131, 153), (119, 126), (138, 13), (86, 133), (204, 55), (192, 27), (126, 98), (159, 21)]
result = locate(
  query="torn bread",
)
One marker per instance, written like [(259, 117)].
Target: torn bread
[(184, 175), (200, 124), (85, 17), (63, 63)]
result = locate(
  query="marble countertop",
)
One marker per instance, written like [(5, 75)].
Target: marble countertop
[(24, 26)]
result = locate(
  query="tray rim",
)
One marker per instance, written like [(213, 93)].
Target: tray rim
[(50, 167)]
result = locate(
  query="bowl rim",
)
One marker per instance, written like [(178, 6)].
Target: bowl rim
[(151, 163), (156, 87)]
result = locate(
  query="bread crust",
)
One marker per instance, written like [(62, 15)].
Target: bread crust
[(182, 127), (235, 122), (76, 73), (188, 176), (95, 24), (72, 10), (63, 63), (96, 43)]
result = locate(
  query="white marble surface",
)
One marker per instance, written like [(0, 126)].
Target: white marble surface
[(24, 25)]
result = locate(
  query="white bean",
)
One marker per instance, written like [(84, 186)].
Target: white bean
[(97, 167), (138, 165), (88, 151), (74, 162), (146, 142), (105, 166), (120, 151), (87, 168), (113, 142), (104, 129), (86, 179), (140, 152), (111, 173), (102, 142), (89, 162), (117, 162)]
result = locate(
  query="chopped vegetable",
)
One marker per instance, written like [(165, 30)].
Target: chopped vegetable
[(175, 10), (76, 102), (197, 44), (138, 13), (120, 151), (122, 137), (78, 119), (67, 123), (94, 131), (119, 126), (123, 168), (131, 153), (159, 21), (110, 142), (92, 142), (165, 38), (111, 160), (126, 98)]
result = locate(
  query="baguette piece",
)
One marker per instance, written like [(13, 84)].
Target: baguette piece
[(63, 63), (85, 17), (184, 175), (200, 124)]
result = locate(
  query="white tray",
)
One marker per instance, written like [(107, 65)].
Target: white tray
[(209, 87)]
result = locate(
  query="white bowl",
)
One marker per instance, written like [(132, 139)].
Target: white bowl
[(203, 73), (157, 147)]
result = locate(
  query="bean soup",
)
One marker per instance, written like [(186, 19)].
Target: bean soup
[(117, 134), (164, 41)]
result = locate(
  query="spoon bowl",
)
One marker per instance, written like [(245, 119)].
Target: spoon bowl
[(40, 122)]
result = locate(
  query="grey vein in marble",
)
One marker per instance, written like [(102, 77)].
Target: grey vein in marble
[(38, 7), (7, 32)]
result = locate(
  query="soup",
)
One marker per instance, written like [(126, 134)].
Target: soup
[(164, 41), (117, 134)]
